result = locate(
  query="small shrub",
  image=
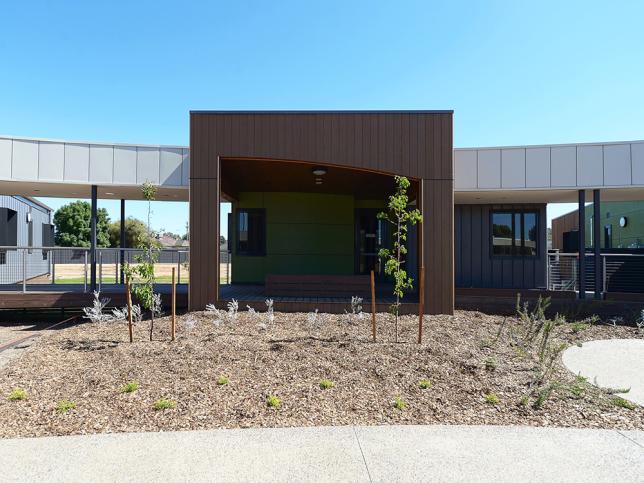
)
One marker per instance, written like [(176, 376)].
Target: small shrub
[(399, 403), (161, 404), (542, 396), (17, 394), (326, 384), (579, 327), (578, 388), (491, 364), (222, 381), (65, 406), (623, 403), (130, 386), (273, 401), (425, 384), (491, 398)]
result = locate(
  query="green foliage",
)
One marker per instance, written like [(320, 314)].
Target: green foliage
[(579, 387), (491, 398), (135, 233), (490, 363), (131, 386), (543, 394), (17, 394), (161, 404), (142, 274), (399, 403), (623, 403), (400, 217), (273, 401), (425, 384), (326, 384), (222, 381), (578, 327), (73, 225), (65, 406)]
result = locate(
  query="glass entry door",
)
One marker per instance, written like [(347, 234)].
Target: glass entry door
[(371, 236)]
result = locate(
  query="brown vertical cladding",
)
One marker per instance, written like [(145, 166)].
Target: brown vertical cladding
[(562, 224), (416, 144)]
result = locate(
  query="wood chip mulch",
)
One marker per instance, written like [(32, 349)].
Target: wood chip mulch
[(90, 363)]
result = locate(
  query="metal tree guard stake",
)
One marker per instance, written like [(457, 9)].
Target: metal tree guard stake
[(129, 308), (373, 307), (174, 303), (421, 305)]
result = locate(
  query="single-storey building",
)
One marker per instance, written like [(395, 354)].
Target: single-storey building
[(24, 222)]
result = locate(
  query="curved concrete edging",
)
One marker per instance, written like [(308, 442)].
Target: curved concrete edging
[(612, 363)]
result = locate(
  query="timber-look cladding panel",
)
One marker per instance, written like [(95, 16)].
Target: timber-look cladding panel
[(416, 144)]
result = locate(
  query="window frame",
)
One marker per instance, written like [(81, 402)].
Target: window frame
[(245, 253), (513, 212)]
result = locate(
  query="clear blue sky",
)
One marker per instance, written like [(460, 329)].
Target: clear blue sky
[(514, 73)]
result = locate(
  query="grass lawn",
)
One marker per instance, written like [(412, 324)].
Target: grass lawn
[(301, 370)]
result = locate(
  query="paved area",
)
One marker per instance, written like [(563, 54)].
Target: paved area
[(382, 453), (614, 363)]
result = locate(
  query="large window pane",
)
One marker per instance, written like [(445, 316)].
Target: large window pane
[(251, 232), (514, 233), (502, 233), (530, 234)]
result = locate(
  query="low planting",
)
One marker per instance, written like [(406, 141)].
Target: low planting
[(65, 406), (161, 404), (237, 368), (17, 394)]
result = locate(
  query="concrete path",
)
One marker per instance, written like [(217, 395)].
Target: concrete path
[(382, 453), (614, 363)]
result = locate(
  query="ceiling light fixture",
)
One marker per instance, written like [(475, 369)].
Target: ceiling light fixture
[(319, 171), (109, 194)]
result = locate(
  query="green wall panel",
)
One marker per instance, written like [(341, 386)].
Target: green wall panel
[(306, 233)]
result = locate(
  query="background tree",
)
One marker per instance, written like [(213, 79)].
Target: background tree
[(399, 216), (135, 233), (73, 225)]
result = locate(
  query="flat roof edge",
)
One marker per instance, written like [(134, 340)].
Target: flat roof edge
[(314, 111)]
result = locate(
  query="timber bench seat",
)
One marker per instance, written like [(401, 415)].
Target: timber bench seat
[(317, 285)]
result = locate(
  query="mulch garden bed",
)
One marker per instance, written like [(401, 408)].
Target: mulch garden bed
[(89, 364)]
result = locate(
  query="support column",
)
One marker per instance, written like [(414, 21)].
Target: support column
[(92, 251), (581, 210), (597, 243), (438, 245), (123, 242)]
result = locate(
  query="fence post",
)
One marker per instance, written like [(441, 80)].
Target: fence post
[(174, 305), (373, 306), (548, 267), (604, 274), (53, 267), (85, 271), (100, 270), (24, 270)]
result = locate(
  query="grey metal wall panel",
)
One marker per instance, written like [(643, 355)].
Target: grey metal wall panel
[(473, 256), (25, 160), (51, 161), (170, 167), (125, 165), (101, 164), (6, 146), (76, 162), (147, 165)]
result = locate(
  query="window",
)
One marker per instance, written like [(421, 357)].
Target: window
[(8, 227), (3, 257), (514, 233), (251, 232)]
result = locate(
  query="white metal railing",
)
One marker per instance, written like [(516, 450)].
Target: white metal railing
[(23, 267), (620, 272)]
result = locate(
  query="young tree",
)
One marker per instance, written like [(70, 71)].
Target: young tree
[(143, 271), (400, 217), (73, 224)]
